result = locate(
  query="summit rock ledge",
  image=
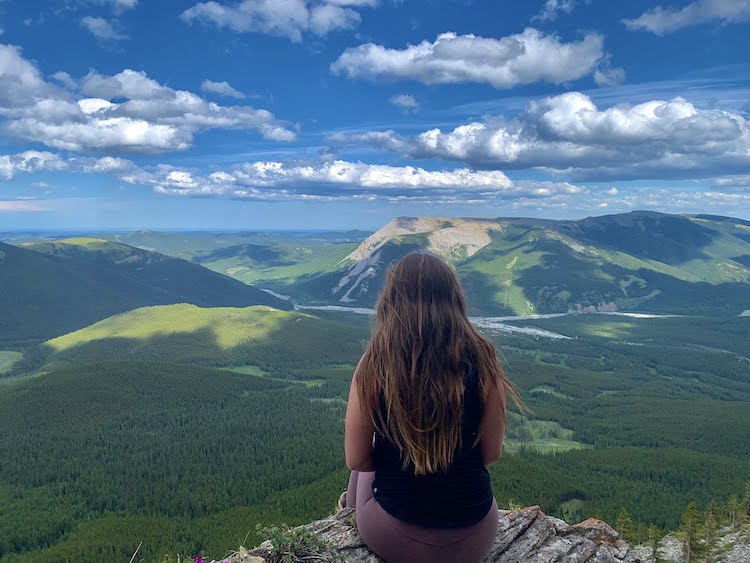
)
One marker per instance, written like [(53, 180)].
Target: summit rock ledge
[(526, 535)]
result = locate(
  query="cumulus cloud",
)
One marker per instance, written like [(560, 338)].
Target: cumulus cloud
[(338, 181), (568, 134), (127, 112), (65, 79), (662, 20), (102, 29), (406, 102), (290, 19), (29, 161), (507, 62), (222, 88), (328, 181), (20, 79)]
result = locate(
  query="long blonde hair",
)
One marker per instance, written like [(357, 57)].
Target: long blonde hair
[(421, 348)]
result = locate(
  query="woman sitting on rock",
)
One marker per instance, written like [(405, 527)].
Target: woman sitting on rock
[(426, 415)]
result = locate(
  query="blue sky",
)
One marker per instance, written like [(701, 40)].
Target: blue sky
[(339, 114)]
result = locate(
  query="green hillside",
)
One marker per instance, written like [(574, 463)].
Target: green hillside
[(272, 341), (286, 268), (640, 261), (54, 287), (199, 246)]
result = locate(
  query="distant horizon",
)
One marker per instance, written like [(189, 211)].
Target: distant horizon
[(300, 230)]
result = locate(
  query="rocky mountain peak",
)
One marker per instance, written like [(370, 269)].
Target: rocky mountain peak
[(447, 236)]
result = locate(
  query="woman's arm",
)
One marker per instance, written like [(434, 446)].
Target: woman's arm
[(358, 437), (493, 428)]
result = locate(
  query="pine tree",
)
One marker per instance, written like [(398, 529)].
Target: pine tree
[(691, 533), (624, 526), (712, 522), (745, 515), (653, 542), (733, 510)]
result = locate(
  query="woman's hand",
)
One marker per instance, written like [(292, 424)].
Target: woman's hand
[(358, 437)]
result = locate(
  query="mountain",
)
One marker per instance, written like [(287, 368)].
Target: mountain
[(50, 288), (199, 245), (636, 261)]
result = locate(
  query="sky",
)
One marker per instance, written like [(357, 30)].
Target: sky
[(343, 114)]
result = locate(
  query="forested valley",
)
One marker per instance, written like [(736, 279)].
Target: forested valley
[(180, 427)]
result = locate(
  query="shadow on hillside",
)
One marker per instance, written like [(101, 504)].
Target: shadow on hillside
[(560, 285), (484, 296), (298, 342), (264, 256), (668, 239)]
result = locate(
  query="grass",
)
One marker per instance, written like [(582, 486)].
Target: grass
[(88, 243), (255, 341), (542, 436), (248, 370), (230, 326), (546, 389)]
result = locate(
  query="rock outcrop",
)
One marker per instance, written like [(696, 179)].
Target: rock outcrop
[(526, 535)]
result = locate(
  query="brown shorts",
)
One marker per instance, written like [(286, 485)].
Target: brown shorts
[(397, 541)]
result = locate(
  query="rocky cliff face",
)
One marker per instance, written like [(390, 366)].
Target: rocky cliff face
[(526, 535)]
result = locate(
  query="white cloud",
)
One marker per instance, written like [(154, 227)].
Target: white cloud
[(662, 20), (29, 161), (568, 134), (552, 7), (356, 181), (222, 88), (523, 58), (346, 181), (740, 181), (65, 79), (127, 112), (21, 81), (124, 4), (117, 6), (16, 206), (406, 102), (102, 29), (290, 18), (607, 76)]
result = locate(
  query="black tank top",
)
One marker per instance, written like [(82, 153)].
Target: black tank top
[(460, 497)]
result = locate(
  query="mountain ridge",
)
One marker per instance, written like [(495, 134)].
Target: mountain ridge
[(50, 288), (636, 261)]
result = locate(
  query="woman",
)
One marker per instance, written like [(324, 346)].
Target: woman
[(426, 415)]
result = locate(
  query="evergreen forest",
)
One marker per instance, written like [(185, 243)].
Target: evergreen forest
[(179, 427)]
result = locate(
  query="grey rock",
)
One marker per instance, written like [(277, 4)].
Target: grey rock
[(526, 535)]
